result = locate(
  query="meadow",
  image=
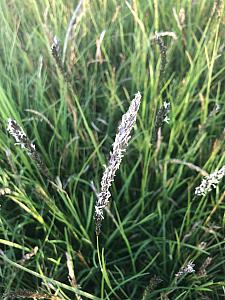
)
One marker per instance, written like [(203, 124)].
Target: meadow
[(68, 73)]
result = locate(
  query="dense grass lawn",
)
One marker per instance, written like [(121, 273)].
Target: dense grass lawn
[(68, 73)]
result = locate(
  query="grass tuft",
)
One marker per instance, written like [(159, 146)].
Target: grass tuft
[(69, 106)]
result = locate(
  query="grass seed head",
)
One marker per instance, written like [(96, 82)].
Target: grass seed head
[(119, 148), (161, 118), (187, 269), (57, 54), (210, 182), (24, 142)]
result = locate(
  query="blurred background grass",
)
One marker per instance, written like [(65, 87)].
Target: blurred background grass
[(159, 224)]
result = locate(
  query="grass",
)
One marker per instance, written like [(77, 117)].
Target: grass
[(157, 224)]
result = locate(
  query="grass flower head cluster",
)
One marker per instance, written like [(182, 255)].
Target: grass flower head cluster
[(210, 182), (161, 118), (119, 147), (24, 142), (20, 137), (187, 269)]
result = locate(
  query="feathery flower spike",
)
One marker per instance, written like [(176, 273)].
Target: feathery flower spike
[(56, 53), (210, 182), (161, 117), (24, 142), (119, 148), (187, 269), (163, 54)]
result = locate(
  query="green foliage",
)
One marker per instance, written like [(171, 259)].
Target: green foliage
[(156, 223)]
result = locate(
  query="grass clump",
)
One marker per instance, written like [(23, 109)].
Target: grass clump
[(69, 101)]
